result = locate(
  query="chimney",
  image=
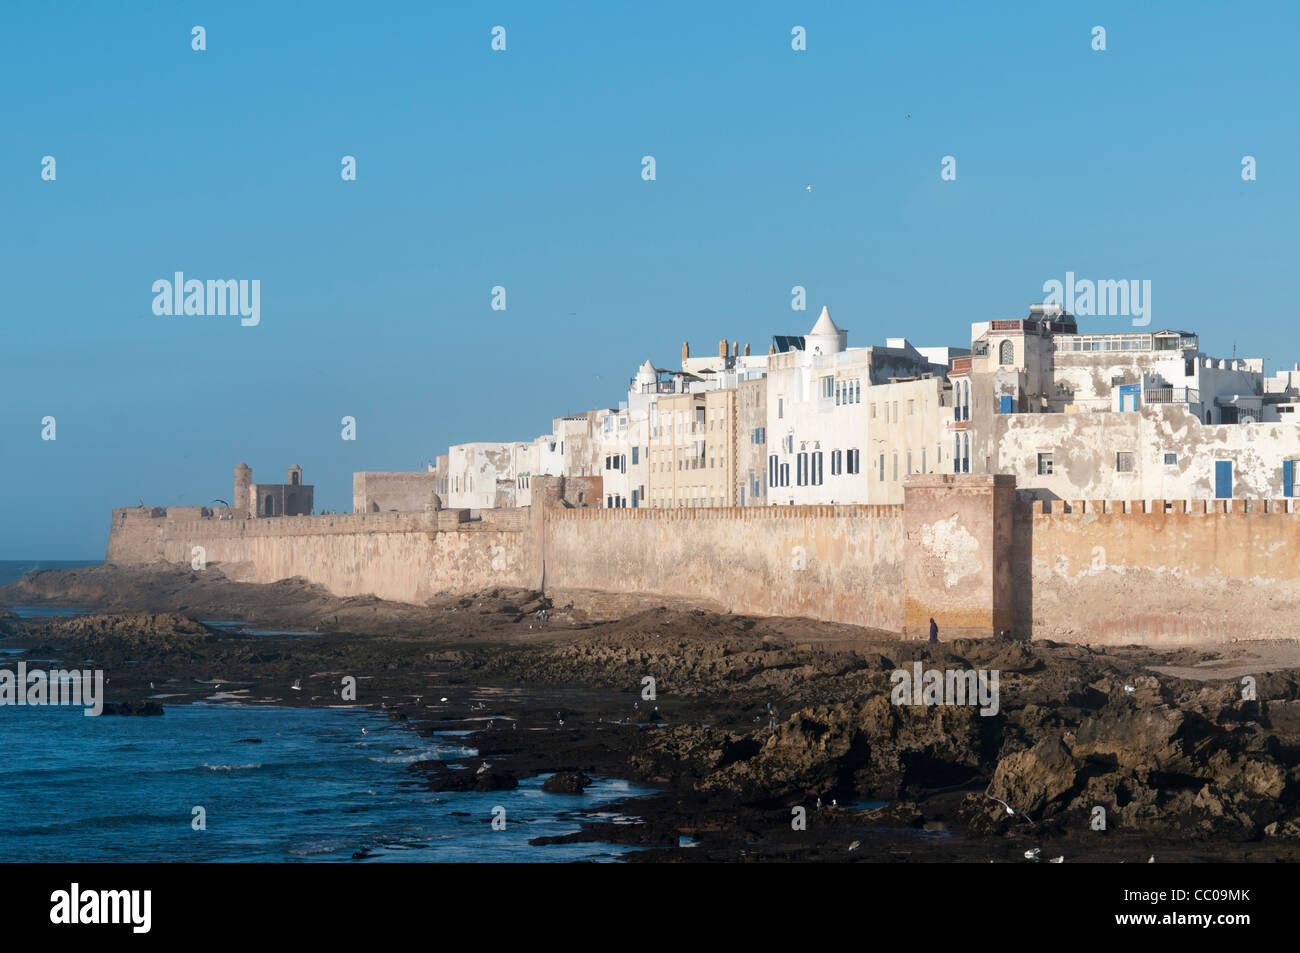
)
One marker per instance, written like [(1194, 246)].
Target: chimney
[(722, 349), (771, 349), (734, 349), (746, 349), (686, 350)]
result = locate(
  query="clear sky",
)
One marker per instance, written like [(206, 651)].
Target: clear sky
[(522, 168)]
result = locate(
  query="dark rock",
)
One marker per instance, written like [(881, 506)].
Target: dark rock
[(133, 708), (566, 782)]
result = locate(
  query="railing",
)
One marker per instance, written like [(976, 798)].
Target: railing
[(1172, 395)]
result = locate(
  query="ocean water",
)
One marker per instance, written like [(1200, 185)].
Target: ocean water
[(312, 787), (11, 570), (315, 788)]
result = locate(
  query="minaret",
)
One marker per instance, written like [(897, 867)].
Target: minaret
[(243, 490)]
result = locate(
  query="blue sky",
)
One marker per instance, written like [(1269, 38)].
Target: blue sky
[(523, 169)]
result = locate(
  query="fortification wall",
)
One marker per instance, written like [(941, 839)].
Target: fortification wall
[(1157, 571), (404, 491), (394, 556), (842, 563), (962, 550)]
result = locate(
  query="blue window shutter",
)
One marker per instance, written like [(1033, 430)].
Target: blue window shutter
[(1006, 405), (1288, 477), (1223, 479)]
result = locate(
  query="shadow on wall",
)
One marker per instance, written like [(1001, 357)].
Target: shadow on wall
[(1022, 569)]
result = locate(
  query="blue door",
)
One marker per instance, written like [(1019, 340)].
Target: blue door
[(1128, 397), (1006, 405), (1288, 478), (1223, 479)]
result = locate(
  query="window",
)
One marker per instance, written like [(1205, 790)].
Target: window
[(909, 461), (911, 407), (882, 468), (780, 407), (895, 411), (873, 411), (1124, 462), (1006, 353), (817, 469), (634, 455), (895, 466), (855, 461), (1171, 459), (1044, 464), (828, 384), (801, 469), (923, 469), (835, 463)]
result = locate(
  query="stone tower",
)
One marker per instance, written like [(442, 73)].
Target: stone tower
[(243, 490), (295, 475), (686, 351)]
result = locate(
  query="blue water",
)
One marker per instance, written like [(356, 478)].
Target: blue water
[(43, 612), (111, 788), (11, 570), (315, 788)]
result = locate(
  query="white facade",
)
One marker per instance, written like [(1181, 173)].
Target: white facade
[(847, 425)]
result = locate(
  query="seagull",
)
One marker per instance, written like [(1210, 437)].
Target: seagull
[(222, 502), (297, 685), (1151, 859), (483, 767), (808, 187), (855, 845), (364, 732), (1032, 854), (442, 699), (1057, 860), (1010, 809), (819, 804)]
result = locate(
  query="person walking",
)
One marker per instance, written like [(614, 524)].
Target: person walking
[(934, 632)]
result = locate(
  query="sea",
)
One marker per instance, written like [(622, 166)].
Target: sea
[(223, 781)]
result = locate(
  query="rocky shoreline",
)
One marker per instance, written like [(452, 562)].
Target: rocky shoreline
[(769, 738)]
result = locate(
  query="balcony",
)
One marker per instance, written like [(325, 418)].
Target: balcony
[(1172, 395)]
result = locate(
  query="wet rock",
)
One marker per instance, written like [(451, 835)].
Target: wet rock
[(566, 782), (148, 707)]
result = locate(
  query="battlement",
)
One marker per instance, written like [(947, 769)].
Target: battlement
[(1200, 508)]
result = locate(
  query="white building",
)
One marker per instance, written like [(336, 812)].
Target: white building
[(847, 425)]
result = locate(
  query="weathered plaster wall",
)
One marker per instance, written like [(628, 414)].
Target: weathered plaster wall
[(403, 491), (956, 554), (1183, 571), (390, 555), (842, 563), (1084, 448)]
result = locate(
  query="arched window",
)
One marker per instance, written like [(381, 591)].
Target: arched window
[(965, 453), (1006, 353)]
